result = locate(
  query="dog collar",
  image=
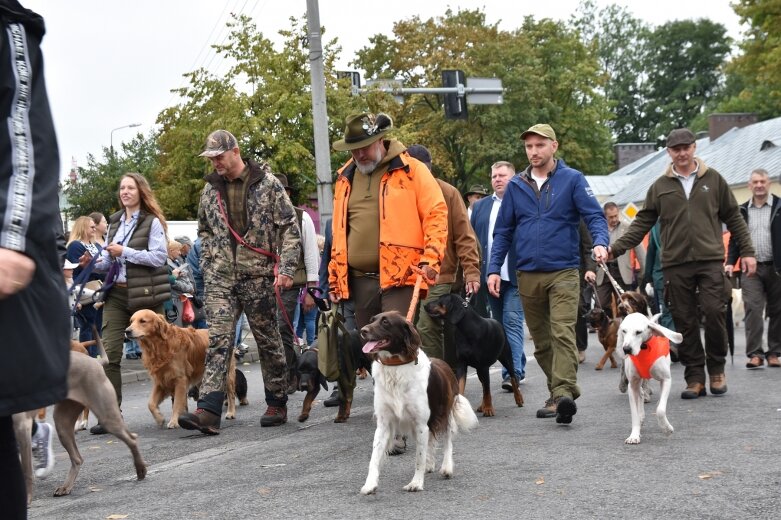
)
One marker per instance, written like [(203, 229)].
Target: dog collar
[(397, 360)]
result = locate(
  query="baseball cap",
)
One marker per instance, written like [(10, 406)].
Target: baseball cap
[(540, 129), (680, 136), (218, 142)]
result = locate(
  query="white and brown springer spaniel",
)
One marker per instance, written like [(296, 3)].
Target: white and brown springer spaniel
[(414, 396)]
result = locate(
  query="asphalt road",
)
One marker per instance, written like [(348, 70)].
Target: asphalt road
[(723, 461)]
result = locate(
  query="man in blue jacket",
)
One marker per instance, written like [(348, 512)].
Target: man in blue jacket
[(540, 213)]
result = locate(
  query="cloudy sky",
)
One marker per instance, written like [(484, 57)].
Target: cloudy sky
[(110, 63)]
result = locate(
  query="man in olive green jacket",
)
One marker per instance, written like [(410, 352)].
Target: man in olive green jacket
[(690, 201)]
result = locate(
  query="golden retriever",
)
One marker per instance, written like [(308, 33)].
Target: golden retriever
[(175, 358)]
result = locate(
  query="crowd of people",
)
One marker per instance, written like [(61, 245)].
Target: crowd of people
[(524, 254)]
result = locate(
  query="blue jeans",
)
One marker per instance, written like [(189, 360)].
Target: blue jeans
[(306, 321), (507, 310)]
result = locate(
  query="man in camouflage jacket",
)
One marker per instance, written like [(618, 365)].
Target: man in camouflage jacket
[(245, 220)]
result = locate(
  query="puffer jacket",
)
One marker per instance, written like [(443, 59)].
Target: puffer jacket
[(690, 229), (413, 222), (271, 226)]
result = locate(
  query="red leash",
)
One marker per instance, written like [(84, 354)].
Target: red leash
[(263, 252)]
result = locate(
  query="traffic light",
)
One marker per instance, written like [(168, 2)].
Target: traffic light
[(455, 104)]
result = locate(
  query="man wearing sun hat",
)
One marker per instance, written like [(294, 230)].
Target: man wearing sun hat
[(475, 193), (690, 201), (540, 215), (389, 217)]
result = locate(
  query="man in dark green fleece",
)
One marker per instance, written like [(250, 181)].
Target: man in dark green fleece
[(690, 201)]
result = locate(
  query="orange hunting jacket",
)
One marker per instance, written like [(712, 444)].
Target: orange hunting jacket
[(413, 224)]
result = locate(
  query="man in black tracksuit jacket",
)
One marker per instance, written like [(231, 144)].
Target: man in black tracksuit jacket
[(34, 317)]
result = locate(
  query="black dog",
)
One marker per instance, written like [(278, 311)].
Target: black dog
[(309, 380), (480, 342)]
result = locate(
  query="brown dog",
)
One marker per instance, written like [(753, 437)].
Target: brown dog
[(175, 358), (632, 301), (607, 332), (88, 387)]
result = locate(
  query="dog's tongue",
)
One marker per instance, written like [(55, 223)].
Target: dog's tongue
[(369, 346)]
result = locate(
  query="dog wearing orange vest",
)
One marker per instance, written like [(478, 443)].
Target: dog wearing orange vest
[(646, 345)]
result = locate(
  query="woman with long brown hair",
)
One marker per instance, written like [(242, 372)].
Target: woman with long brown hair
[(137, 250), (101, 227)]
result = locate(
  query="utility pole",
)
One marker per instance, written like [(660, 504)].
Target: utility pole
[(325, 198)]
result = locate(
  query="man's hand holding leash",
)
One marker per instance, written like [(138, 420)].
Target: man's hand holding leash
[(283, 281)]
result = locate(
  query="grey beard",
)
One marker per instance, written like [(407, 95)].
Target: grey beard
[(367, 171)]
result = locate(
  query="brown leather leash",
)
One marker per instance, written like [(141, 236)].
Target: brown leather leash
[(273, 256), (415, 293)]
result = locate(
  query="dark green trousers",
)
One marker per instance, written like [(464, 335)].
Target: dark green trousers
[(550, 304)]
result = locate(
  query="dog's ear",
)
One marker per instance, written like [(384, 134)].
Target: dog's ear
[(411, 337), (660, 330)]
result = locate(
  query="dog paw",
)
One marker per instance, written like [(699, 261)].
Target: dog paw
[(80, 425), (62, 491), (632, 440), (303, 417), (414, 486), (446, 472), (369, 489), (230, 416), (243, 402), (172, 424), (488, 412), (598, 367)]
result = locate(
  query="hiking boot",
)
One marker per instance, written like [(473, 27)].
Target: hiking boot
[(333, 399), (274, 416), (756, 362), (203, 420), (565, 409), (772, 361), (43, 454), (693, 391), (718, 384), (548, 411)]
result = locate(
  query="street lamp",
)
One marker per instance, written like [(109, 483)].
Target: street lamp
[(132, 125)]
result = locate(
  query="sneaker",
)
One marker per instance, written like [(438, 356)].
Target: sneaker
[(718, 384), (548, 411), (98, 429), (565, 409), (43, 454), (693, 391), (274, 416), (773, 361), (756, 362), (203, 420), (333, 399), (507, 386)]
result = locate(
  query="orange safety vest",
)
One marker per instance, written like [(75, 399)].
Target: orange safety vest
[(656, 347)]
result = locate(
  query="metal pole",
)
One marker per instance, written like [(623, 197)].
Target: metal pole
[(111, 138), (325, 198)]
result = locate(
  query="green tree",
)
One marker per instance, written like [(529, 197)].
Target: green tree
[(620, 42), (547, 73), (685, 72), (754, 77), (264, 100), (97, 185)]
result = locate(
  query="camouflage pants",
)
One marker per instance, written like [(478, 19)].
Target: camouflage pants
[(225, 301)]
